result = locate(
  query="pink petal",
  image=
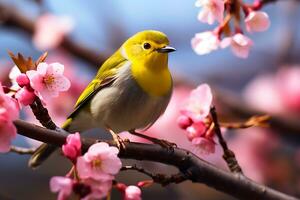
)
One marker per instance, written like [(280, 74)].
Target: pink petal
[(60, 83), (184, 121), (7, 134), (198, 105), (62, 185), (36, 80), (57, 68), (42, 68), (25, 97), (50, 31), (257, 21), (83, 167), (241, 45), (196, 130), (112, 165), (205, 42), (205, 146), (225, 42), (133, 192), (22, 80)]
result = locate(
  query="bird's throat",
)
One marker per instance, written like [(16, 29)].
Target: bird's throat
[(154, 81)]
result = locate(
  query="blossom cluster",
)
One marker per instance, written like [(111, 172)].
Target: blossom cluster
[(279, 93), (44, 82), (50, 30), (196, 121), (93, 173), (214, 10)]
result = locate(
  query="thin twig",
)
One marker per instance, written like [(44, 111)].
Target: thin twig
[(158, 178), (42, 114), (260, 120), (21, 150), (228, 155)]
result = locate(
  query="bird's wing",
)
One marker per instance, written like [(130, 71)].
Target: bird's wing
[(104, 78)]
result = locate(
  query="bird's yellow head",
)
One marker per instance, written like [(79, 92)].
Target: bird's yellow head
[(149, 48), (148, 53)]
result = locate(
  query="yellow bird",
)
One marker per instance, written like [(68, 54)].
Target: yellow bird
[(130, 91)]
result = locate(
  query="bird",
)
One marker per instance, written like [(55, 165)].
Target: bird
[(130, 91)]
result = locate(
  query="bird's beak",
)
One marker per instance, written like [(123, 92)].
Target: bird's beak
[(166, 49)]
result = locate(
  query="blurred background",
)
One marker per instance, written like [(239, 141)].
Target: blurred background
[(82, 34)]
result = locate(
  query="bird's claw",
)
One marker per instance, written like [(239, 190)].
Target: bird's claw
[(166, 144), (120, 143)]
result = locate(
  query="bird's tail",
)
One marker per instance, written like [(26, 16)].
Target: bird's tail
[(44, 150)]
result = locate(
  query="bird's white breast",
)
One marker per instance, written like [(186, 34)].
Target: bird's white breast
[(125, 106)]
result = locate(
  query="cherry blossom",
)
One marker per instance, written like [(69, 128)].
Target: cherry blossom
[(257, 21), (198, 104), (240, 44), (205, 42), (132, 192), (287, 81), (62, 185), (211, 10), (100, 162), (50, 30), (264, 87), (48, 80), (72, 147), (196, 121), (9, 111)]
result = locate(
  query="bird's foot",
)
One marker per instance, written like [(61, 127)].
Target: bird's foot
[(118, 140), (163, 143)]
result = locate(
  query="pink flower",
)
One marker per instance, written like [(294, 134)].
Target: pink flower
[(198, 104), (288, 85), (48, 80), (196, 130), (211, 10), (257, 21), (25, 96), (62, 185), (205, 42), (9, 111), (72, 147), (264, 87), (132, 192), (13, 75), (205, 145), (240, 44), (50, 31), (98, 189), (100, 162)]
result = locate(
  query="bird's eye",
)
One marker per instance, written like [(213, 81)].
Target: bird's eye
[(147, 45)]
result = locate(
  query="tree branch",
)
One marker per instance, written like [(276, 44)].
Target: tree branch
[(21, 150), (233, 105), (158, 178), (193, 168), (11, 17), (228, 155)]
